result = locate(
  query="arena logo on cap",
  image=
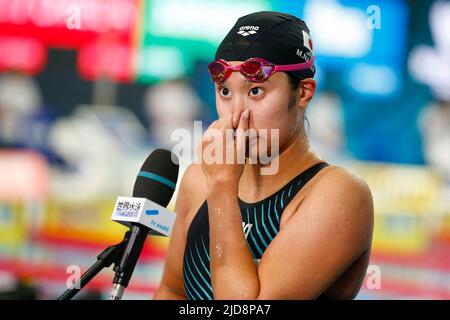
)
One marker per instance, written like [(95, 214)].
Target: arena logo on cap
[(247, 30)]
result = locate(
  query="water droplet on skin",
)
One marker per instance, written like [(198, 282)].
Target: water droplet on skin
[(218, 250), (218, 211), (242, 293)]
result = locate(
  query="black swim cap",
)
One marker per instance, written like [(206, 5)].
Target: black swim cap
[(278, 37)]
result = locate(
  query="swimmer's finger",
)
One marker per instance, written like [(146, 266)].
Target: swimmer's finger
[(242, 130)]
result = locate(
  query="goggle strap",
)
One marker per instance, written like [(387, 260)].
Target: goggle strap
[(297, 66)]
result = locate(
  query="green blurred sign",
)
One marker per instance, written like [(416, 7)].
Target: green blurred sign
[(175, 33)]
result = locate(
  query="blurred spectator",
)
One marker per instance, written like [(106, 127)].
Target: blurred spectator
[(20, 99), (105, 144), (434, 123), (169, 106), (431, 64), (325, 127), (24, 121)]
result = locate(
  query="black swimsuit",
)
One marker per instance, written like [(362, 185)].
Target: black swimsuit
[(261, 223)]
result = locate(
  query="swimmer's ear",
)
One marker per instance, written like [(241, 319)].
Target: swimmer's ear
[(306, 91)]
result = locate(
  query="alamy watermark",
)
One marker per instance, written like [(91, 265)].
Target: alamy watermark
[(374, 19), (373, 277), (73, 21), (73, 280)]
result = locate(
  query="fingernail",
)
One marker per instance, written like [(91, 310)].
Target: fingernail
[(246, 114)]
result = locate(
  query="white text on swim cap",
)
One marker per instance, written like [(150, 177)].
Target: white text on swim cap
[(307, 55), (247, 30)]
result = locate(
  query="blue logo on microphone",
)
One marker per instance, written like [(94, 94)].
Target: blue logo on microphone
[(152, 212)]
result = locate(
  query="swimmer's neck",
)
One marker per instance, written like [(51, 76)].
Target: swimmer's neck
[(296, 157)]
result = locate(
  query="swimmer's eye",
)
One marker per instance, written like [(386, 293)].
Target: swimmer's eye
[(255, 91), (225, 92)]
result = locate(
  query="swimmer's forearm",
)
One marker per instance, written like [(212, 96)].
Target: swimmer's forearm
[(233, 272)]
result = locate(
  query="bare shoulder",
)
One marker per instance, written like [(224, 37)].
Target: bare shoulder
[(329, 233), (341, 195), (340, 179)]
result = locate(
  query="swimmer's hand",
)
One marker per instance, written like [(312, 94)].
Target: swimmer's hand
[(222, 150)]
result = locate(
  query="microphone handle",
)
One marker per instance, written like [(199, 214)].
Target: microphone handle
[(124, 270)]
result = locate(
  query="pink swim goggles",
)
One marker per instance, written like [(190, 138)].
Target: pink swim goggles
[(253, 69)]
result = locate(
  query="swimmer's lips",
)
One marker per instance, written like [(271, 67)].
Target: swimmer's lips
[(249, 141)]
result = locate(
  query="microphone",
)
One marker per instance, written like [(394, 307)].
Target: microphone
[(145, 212)]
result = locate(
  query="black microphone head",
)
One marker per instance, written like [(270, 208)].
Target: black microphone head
[(158, 177)]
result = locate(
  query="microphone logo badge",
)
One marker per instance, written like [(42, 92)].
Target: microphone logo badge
[(128, 209), (141, 211)]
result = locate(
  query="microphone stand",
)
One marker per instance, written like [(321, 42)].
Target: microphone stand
[(105, 259)]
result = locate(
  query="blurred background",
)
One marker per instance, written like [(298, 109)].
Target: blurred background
[(88, 88)]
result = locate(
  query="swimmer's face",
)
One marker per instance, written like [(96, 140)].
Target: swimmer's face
[(273, 106)]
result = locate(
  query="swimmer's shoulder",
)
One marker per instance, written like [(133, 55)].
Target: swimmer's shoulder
[(339, 178), (341, 188), (349, 203)]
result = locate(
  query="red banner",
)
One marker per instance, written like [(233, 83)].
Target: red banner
[(20, 53), (101, 29), (67, 23)]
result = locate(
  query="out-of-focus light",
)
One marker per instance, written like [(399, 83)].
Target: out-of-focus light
[(373, 80), (17, 53), (68, 24), (431, 65), (440, 23), (161, 62), (95, 15), (199, 19), (338, 30), (112, 61), (25, 176)]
